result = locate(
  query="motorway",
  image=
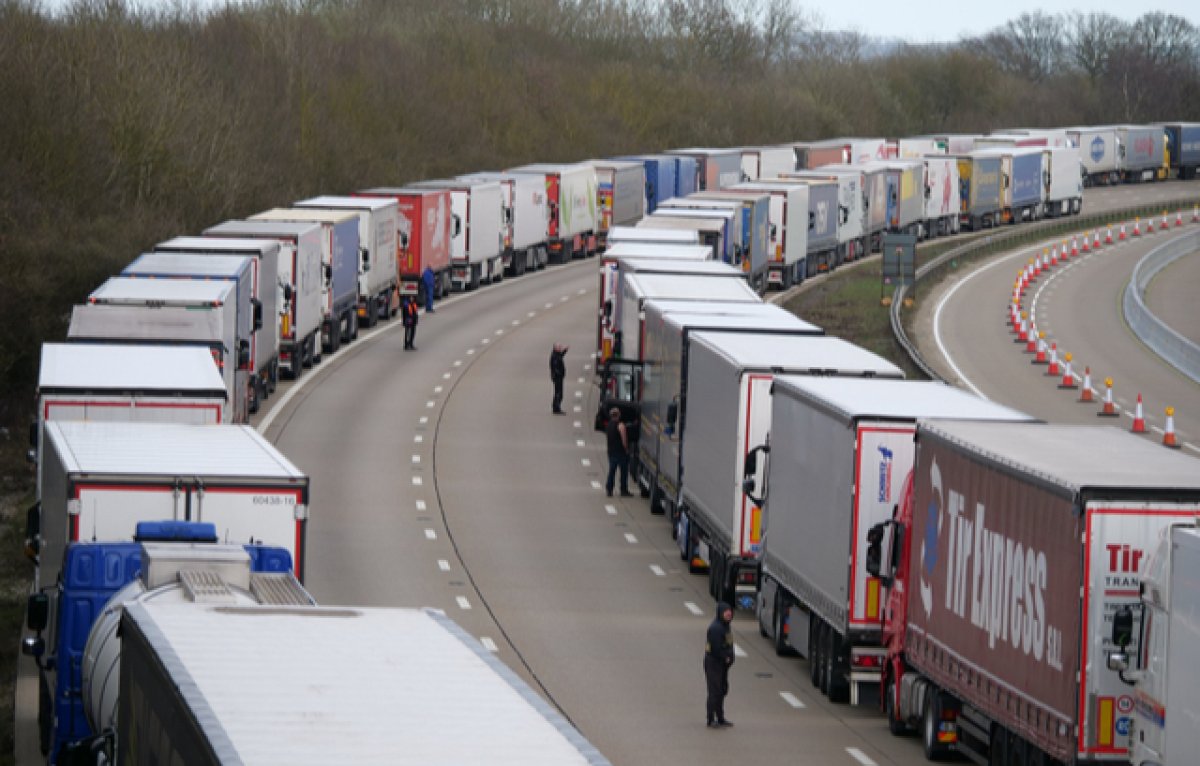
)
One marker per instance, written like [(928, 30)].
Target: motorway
[(962, 331)]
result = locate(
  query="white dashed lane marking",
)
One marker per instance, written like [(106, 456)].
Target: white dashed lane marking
[(631, 539), (657, 570), (489, 644), (860, 756), (611, 510), (431, 534), (462, 602), (693, 608), (420, 505), (792, 700), (444, 565), (417, 481)]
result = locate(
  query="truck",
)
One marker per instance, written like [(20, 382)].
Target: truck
[(610, 281), (238, 270), (1022, 182), (754, 207), (636, 289), (1142, 152), (339, 269), (571, 201), (788, 216), (620, 195), (300, 274), (729, 379), (378, 247), (941, 196), (841, 151), (979, 191), (1064, 189), (660, 178), (767, 161), (687, 176), (75, 641), (477, 241), (266, 291), (909, 188), (823, 216), (851, 210), (526, 219), (1162, 676), (1010, 552), (619, 235), (424, 223), (918, 148), (715, 168), (173, 313), (670, 327), (1100, 152), (415, 686), (875, 181), (1183, 148), (833, 466), (717, 228)]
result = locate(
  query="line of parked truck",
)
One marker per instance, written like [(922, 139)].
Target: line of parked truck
[(142, 414), (972, 571)]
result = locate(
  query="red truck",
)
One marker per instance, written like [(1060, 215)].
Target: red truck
[(425, 227), (1012, 548)]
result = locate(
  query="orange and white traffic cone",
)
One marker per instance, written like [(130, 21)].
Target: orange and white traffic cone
[(1195, 213), (1149, 225), (1031, 341), (1169, 439), (1052, 370), (1178, 219), (1109, 410), (1086, 238), (1074, 247), (1122, 236), (1040, 358), (1054, 256), (1108, 240), (1136, 227), (1096, 242), (1139, 421), (1164, 225), (1023, 334), (1068, 380), (1085, 395)]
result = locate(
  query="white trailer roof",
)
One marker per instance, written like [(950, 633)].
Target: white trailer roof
[(550, 167), (804, 354), (639, 265), (282, 229), (620, 234), (659, 251), (189, 265), (767, 317), (352, 685), (347, 203), (100, 367), (397, 190), (616, 164), (306, 214), (748, 308), (908, 400), (129, 290), (168, 449), (245, 245), (1075, 458), (687, 287)]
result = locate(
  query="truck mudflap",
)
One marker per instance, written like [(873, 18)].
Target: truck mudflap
[(866, 669)]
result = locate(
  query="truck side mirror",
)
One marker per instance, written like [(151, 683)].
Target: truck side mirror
[(366, 259), (33, 435), (37, 612), (1122, 630), (287, 292), (608, 306), (243, 353), (874, 563), (751, 467), (258, 317), (672, 417)]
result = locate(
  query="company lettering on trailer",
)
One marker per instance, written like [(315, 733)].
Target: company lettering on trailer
[(1143, 146), (885, 475), (1098, 149)]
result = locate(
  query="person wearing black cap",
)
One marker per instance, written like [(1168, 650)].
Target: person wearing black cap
[(718, 658), (618, 452)]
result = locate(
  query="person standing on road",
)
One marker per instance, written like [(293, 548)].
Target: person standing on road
[(618, 452), (409, 313), (718, 658), (427, 277), (558, 371)]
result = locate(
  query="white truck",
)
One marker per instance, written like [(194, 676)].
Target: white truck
[(942, 201), (395, 685), (477, 238), (378, 243), (729, 379), (1100, 152), (526, 219), (571, 202), (636, 289), (670, 325), (299, 311), (174, 313), (238, 269), (610, 280), (716, 168), (766, 161), (853, 242), (622, 234), (1165, 674), (620, 195), (788, 217), (1064, 192), (340, 258), (834, 466)]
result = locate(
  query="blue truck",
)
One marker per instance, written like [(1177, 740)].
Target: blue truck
[(71, 632), (660, 177), (1183, 148)]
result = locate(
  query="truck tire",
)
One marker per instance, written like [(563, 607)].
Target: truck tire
[(45, 715), (779, 641), (929, 725), (814, 651), (896, 725), (839, 681), (656, 504)]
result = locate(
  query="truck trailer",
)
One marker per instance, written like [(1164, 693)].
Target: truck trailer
[(339, 267), (571, 201), (619, 235), (715, 168), (1064, 189), (851, 210), (1009, 555), (979, 191), (767, 161), (300, 275), (620, 195), (1022, 182), (660, 178), (1183, 148), (788, 217), (526, 220), (729, 377), (424, 224), (755, 210), (836, 460)]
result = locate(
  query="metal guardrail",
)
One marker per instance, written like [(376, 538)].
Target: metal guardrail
[(1177, 350), (1005, 241)]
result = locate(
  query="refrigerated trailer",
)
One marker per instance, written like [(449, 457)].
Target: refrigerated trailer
[(525, 219), (1005, 565), (729, 378), (300, 275), (571, 203), (636, 289), (715, 168), (1064, 189), (424, 224), (835, 463), (788, 217), (620, 195)]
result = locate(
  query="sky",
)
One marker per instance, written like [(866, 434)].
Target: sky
[(923, 21)]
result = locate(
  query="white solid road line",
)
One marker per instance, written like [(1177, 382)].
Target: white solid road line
[(860, 756), (792, 700)]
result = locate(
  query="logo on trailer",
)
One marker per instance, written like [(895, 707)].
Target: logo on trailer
[(885, 475), (1098, 149)]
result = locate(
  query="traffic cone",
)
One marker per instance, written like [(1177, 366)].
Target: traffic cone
[(1149, 225), (1108, 240), (1031, 341), (1139, 422), (1096, 244), (1169, 435), (1054, 256), (1085, 395), (1195, 213), (1136, 231), (1109, 410), (1052, 370), (1122, 235), (1164, 225), (1040, 358), (1087, 235), (1068, 380), (1023, 335), (1178, 219), (1074, 246)]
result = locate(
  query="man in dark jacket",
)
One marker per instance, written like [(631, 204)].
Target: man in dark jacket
[(558, 371), (718, 657), (409, 314), (617, 437)]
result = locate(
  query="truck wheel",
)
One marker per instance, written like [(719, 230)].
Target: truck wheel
[(896, 726), (45, 715), (780, 642), (839, 683), (823, 658), (715, 573), (656, 504), (929, 726), (814, 650)]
